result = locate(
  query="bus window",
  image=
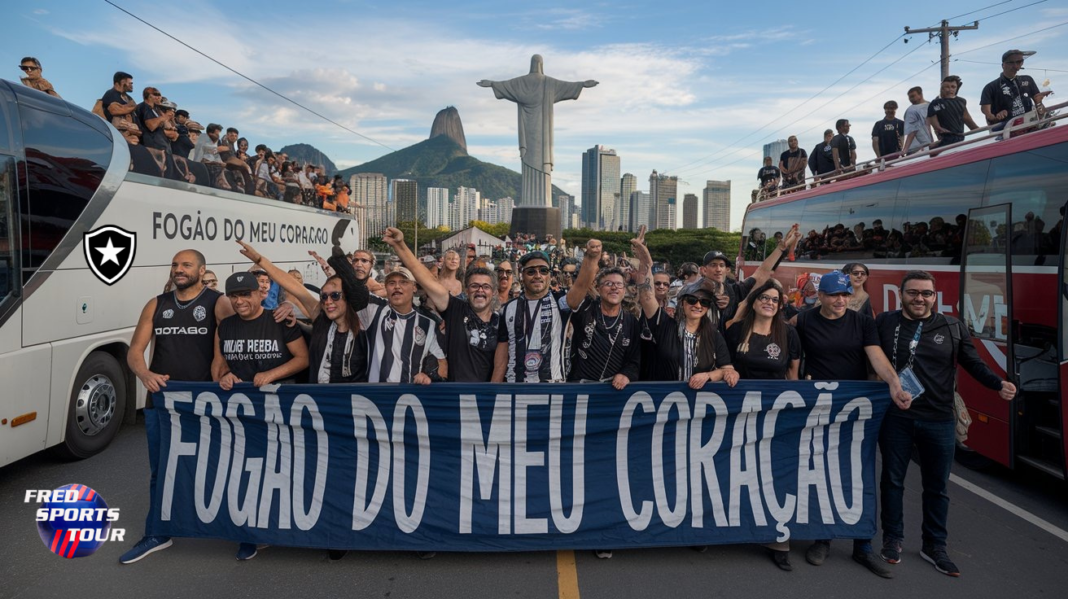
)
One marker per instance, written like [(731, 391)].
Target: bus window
[(1035, 185), (937, 212), (819, 225), (7, 110), (869, 214), (65, 162), (754, 238), (7, 221)]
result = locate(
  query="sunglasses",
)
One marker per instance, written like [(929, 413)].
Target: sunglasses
[(156, 94), (536, 270), (693, 301), (333, 296), (926, 293), (857, 273), (661, 284), (239, 294), (29, 68), (504, 272)]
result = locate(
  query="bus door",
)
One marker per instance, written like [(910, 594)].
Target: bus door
[(985, 306), (1062, 344)]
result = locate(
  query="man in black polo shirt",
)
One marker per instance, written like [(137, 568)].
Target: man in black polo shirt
[(838, 344), (1011, 94), (930, 346), (888, 133), (471, 325), (948, 114), (843, 148)]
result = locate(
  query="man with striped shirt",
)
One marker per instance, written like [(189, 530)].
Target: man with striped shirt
[(531, 347), (399, 339)]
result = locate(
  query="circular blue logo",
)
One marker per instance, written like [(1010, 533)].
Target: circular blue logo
[(75, 521)]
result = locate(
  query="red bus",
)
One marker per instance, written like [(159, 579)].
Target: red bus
[(986, 219)]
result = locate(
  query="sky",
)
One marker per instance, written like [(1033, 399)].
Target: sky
[(688, 88)]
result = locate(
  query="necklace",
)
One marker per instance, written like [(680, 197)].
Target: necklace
[(182, 306)]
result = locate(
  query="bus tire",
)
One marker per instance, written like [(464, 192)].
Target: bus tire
[(97, 405)]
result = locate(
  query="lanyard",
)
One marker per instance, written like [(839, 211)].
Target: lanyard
[(912, 344), (533, 318)]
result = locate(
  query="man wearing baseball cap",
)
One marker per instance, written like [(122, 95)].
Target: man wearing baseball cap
[(716, 265), (838, 345), (399, 338), (1011, 94)]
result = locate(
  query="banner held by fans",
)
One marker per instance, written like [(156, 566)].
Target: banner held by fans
[(498, 467)]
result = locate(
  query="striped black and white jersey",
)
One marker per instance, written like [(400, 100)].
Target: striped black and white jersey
[(397, 344), (534, 332)]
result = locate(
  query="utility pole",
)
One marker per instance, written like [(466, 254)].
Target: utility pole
[(943, 32)]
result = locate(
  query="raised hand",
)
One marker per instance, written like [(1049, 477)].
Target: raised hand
[(593, 250), (393, 237), (249, 252)]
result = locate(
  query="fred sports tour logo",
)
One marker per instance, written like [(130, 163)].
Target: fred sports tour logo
[(74, 521)]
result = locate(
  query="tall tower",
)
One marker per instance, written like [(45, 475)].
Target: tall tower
[(689, 211), (371, 196), (600, 188), (717, 202), (437, 207), (627, 186), (405, 193), (663, 192)]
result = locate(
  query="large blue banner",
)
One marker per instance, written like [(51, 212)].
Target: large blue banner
[(503, 467)]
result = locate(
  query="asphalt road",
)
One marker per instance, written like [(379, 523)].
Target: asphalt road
[(999, 552)]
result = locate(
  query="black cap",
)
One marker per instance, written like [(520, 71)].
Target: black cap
[(717, 255), (242, 281), (1024, 53), (184, 113), (535, 255)]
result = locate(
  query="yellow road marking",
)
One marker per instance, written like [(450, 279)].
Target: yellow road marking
[(567, 575)]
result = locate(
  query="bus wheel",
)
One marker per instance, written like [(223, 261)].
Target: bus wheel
[(97, 404)]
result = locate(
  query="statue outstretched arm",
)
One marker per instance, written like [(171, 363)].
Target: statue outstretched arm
[(488, 83), (590, 83)]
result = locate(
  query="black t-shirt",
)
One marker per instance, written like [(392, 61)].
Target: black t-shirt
[(254, 346), (672, 351), (834, 349), (889, 134), (1015, 95), (603, 347), (820, 161), (155, 140), (768, 173), (736, 291), (112, 97), (950, 113), (844, 143), (470, 343), (791, 160), (764, 358)]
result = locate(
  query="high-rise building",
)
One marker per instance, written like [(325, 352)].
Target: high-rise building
[(641, 210), (405, 195), (775, 149), (504, 209), (464, 208), (437, 207), (566, 203), (663, 192), (600, 188), (717, 203), (370, 196), (627, 185), (689, 211)]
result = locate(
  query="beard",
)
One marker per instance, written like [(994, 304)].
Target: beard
[(192, 280)]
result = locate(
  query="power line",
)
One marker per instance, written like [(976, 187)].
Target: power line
[(976, 10), (251, 80), (1013, 38), (998, 64), (988, 17)]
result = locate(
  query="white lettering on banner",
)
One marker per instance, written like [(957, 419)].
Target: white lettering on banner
[(811, 450), (207, 513), (279, 451), (405, 521), (305, 520), (178, 449), (671, 517), (703, 459), (637, 520), (484, 455), (567, 524), (850, 514), (780, 513), (525, 459), (242, 513), (363, 410), (744, 442)]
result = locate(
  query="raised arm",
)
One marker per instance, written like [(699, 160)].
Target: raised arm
[(645, 274), (587, 274), (292, 286), (437, 292), (763, 273)]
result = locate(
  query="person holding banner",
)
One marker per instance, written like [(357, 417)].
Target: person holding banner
[(926, 347), (838, 345), (690, 347), (470, 325), (764, 346), (604, 346)]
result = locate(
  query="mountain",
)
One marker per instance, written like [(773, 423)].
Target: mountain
[(305, 154), (443, 161)]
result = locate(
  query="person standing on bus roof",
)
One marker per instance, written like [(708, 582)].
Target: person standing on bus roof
[(843, 148), (930, 346), (33, 79), (887, 134), (769, 176), (948, 114), (838, 345), (792, 164), (1011, 94), (917, 131), (821, 161), (116, 101)]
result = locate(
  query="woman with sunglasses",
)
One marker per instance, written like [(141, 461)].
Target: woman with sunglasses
[(688, 346), (860, 301), (337, 353), (763, 346), (33, 79)]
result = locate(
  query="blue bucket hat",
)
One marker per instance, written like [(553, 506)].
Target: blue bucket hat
[(835, 282)]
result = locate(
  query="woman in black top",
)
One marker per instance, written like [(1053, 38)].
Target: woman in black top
[(764, 346), (688, 346), (337, 352), (860, 300)]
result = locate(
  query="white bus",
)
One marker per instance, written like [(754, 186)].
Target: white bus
[(64, 333)]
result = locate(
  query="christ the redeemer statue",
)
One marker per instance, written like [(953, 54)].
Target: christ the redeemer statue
[(535, 94)]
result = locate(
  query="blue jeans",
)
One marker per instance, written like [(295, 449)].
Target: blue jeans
[(935, 442), (152, 431)]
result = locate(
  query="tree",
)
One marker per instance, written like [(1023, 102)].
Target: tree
[(497, 230), (672, 246)]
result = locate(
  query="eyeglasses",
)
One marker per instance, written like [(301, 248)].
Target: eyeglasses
[(661, 284), (156, 94), (504, 272), (476, 287), (536, 270), (766, 299), (858, 273), (926, 293), (33, 68), (333, 296), (239, 294), (613, 284), (693, 301)]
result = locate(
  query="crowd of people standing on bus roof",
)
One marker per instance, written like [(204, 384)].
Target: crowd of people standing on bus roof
[(927, 126), (613, 319)]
